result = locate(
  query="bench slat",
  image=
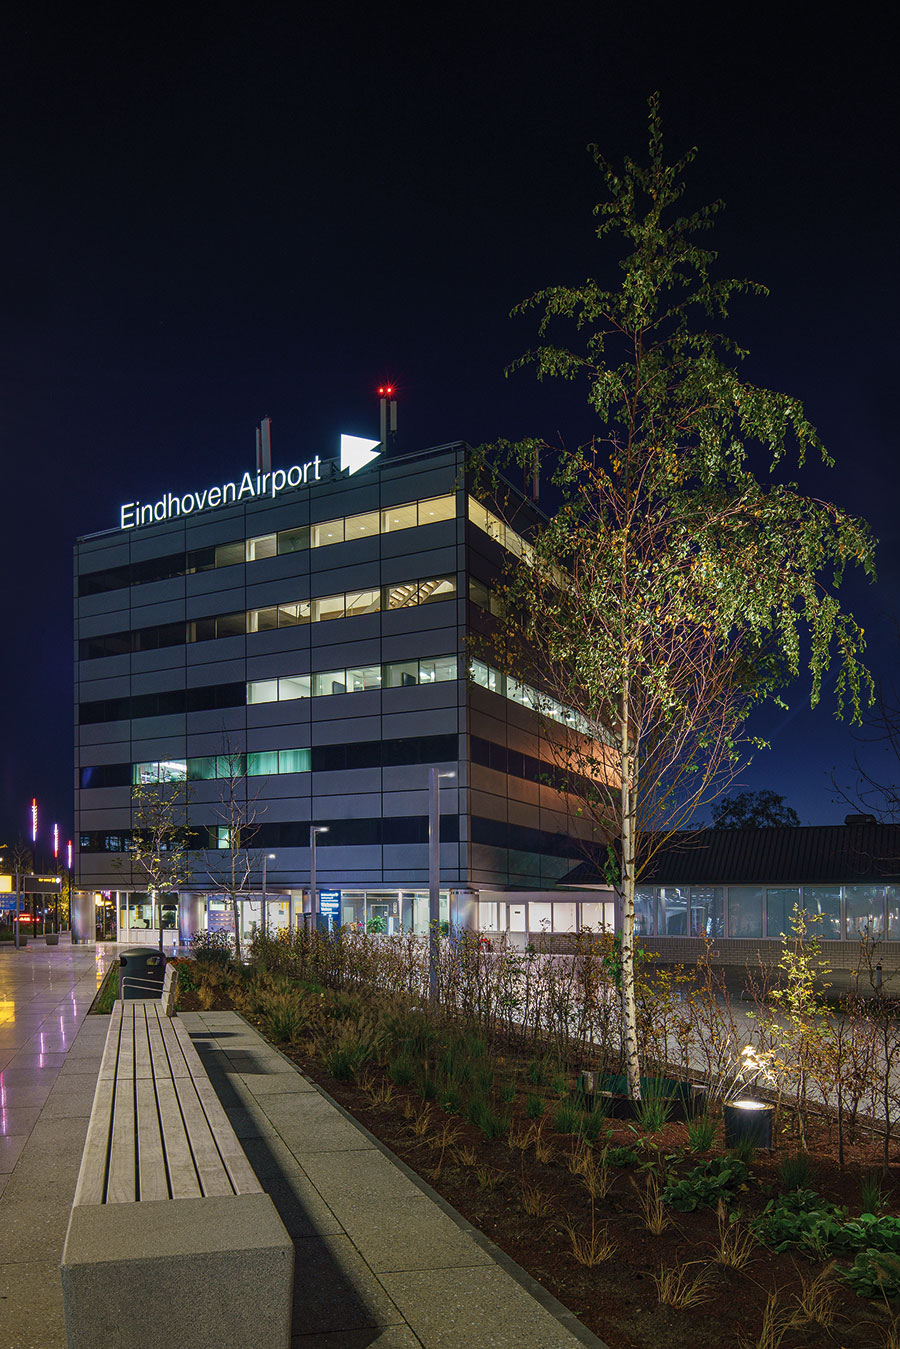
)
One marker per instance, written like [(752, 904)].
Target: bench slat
[(182, 1172), (121, 1185), (152, 1180), (109, 1062), (213, 1176), (142, 1065), (92, 1176), (172, 1046), (241, 1173)]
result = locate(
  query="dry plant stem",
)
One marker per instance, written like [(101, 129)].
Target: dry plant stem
[(656, 1217), (816, 1302), (535, 1201), (775, 1324), (676, 1288), (736, 1244), (594, 1249)]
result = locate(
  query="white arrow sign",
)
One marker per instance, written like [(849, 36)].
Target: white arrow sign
[(357, 453)]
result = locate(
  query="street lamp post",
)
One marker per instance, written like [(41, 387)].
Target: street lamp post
[(313, 891), (264, 916), (434, 878)]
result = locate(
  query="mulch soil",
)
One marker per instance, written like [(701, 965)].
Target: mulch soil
[(489, 1182)]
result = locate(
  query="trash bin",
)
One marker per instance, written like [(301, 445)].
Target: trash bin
[(141, 972)]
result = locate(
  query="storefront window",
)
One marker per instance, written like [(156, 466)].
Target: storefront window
[(745, 910), (865, 910), (644, 911), (780, 908)]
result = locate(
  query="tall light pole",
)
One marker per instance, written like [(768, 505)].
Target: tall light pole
[(313, 892), (434, 877), (264, 916)]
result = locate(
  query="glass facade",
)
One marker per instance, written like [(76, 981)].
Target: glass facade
[(833, 911)]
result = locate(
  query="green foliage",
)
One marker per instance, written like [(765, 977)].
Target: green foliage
[(536, 1072), (714, 1179), (452, 1101), (508, 1093), (402, 1070), (800, 1218), (871, 1191), (187, 983), (567, 1118), (655, 1106), (753, 810), (795, 1171), (212, 948), (534, 1105), (284, 1015), (482, 1115), (622, 1156), (109, 991), (701, 1132), (874, 1274)]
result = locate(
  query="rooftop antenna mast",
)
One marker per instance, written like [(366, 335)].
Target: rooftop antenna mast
[(264, 446), (388, 406)]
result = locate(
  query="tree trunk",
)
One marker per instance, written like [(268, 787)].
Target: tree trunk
[(629, 1003)]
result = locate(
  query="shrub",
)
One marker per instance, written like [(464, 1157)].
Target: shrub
[(212, 948), (874, 1274), (402, 1070), (284, 1015), (701, 1131), (799, 1218), (567, 1119), (715, 1179)]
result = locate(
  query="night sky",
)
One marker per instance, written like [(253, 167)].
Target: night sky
[(212, 214)]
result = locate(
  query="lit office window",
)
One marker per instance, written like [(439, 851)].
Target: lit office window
[(262, 763), (433, 509), (437, 588), (328, 607), (401, 674), (364, 678), (265, 545), (401, 596), (262, 691), (202, 769), (399, 517), (262, 620), (329, 531), (329, 681), (293, 540), (294, 761), (361, 526), (293, 615), (486, 677), (363, 602), (173, 770), (294, 686), (144, 773), (438, 671)]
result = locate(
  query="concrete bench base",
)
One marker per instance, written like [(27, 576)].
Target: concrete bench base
[(179, 1271)]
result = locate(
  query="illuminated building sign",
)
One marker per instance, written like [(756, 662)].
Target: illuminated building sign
[(330, 907), (356, 453)]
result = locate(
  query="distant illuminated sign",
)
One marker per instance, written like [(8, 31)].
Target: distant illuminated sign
[(356, 453), (6, 885), (330, 907)]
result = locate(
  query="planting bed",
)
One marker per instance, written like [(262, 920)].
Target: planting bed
[(522, 1188)]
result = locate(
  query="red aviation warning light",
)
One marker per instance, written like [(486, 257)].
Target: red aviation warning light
[(386, 391), (387, 397)]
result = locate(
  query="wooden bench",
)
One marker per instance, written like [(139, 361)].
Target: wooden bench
[(171, 1237)]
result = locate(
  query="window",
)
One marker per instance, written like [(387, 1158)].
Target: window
[(399, 517), (674, 909), (227, 554), (401, 674), (823, 902), (707, 911), (202, 769), (364, 678), (401, 596), (145, 772), (266, 545), (645, 912), (437, 508), (293, 761), (780, 909), (201, 630), (294, 686), (230, 765), (173, 770), (231, 625), (484, 676), (361, 526), (865, 910), (262, 620), (263, 691), (439, 588), (293, 540), (328, 682), (437, 671), (329, 531), (363, 602), (745, 911), (292, 615), (479, 593), (892, 896), (262, 763), (328, 607)]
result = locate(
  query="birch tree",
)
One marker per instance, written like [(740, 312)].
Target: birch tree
[(677, 587), (161, 838), (232, 867)]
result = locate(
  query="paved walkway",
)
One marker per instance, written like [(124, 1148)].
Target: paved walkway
[(381, 1260)]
